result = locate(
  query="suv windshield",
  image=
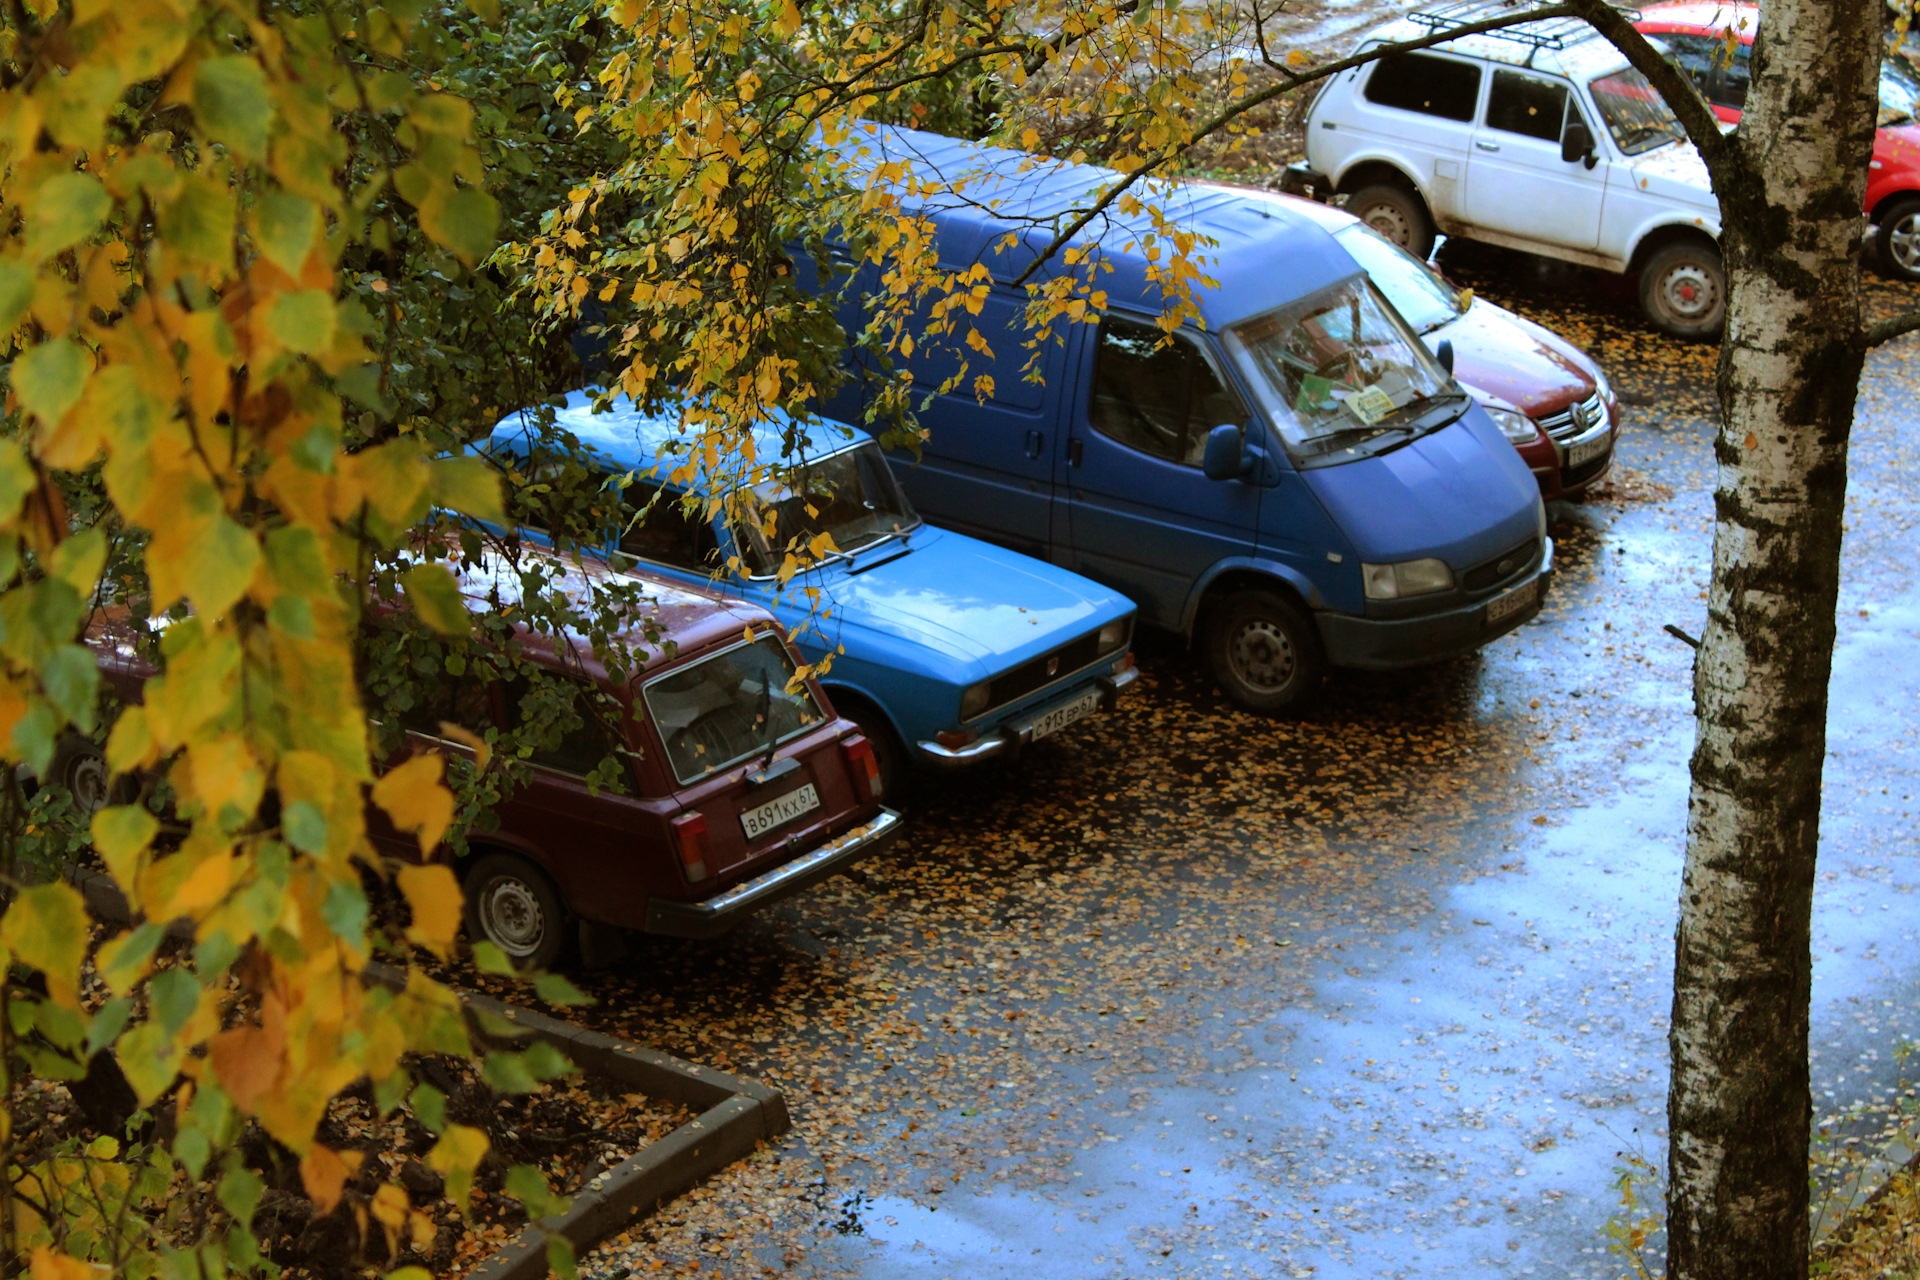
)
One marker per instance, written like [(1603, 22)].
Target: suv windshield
[(1423, 299), (721, 710), (1634, 113), (851, 497), (1340, 374)]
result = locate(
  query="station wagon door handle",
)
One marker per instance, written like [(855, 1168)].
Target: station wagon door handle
[(1486, 146), (1035, 441)]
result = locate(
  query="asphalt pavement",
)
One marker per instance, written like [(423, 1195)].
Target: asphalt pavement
[(1382, 992)]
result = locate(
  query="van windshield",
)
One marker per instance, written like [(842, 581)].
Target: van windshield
[(739, 703), (1341, 376), (851, 497), (1419, 293)]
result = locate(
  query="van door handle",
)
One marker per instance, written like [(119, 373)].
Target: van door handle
[(1073, 452), (1035, 440), (1486, 146)]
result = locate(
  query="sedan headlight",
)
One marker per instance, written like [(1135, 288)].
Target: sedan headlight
[(1517, 427), (1410, 578), (1112, 636), (974, 700)]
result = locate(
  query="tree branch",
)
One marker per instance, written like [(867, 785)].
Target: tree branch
[(1887, 330), (1702, 126)]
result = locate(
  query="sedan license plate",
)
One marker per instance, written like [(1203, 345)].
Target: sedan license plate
[(1057, 718), (1587, 451), (1512, 602), (761, 819)]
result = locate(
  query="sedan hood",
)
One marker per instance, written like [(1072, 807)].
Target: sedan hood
[(1461, 494), (968, 600), (1500, 356)]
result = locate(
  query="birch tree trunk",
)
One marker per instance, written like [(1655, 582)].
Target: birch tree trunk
[(1791, 188)]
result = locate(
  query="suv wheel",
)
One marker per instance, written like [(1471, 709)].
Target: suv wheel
[(1396, 213), (1899, 239), (1683, 290), (1265, 652), (516, 908)]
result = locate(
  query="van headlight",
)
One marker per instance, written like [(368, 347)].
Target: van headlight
[(1112, 636), (1409, 578), (974, 700), (1517, 427)]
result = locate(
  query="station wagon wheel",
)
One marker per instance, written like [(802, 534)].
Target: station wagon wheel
[(1683, 290), (1899, 239), (1396, 213), (1265, 652), (513, 905), (80, 766)]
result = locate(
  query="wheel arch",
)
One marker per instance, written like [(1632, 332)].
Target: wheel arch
[(1654, 239), (1889, 200), (1367, 171), (1238, 575)]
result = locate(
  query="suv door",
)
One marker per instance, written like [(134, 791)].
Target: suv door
[(1419, 106), (1141, 516), (1517, 184)]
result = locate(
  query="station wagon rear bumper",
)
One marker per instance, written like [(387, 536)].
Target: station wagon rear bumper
[(1009, 738), (1376, 644), (717, 914)]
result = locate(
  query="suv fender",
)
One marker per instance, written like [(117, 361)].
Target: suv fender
[(1245, 571)]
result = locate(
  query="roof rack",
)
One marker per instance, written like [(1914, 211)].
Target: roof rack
[(1549, 33)]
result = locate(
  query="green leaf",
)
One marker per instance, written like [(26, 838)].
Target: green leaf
[(50, 377), (150, 1060), (545, 1061), (429, 1106), (121, 834), (78, 560), (305, 826), (436, 598), (303, 321), (506, 1073), (345, 911), (488, 11), (67, 209), (285, 227), (292, 615), (468, 485), (556, 990), (197, 223), (488, 958), (16, 292), (464, 220), (232, 104), (71, 680), (174, 994), (33, 737), (528, 1185), (560, 1252), (16, 482), (220, 566), (108, 1024), (47, 929), (193, 1150), (240, 1192)]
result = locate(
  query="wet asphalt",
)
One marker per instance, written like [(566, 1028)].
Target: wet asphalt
[(1381, 992)]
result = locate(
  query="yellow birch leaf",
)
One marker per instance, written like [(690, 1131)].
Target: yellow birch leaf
[(48, 1265), (415, 800), (325, 1173), (47, 929), (224, 772), (433, 897), (456, 1156), (150, 1059), (121, 833)]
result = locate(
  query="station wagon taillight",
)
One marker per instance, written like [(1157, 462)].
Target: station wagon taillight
[(865, 768), (690, 832)]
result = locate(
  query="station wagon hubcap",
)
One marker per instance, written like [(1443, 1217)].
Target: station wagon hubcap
[(1688, 291), (1263, 656), (87, 781), (511, 916), (1903, 243)]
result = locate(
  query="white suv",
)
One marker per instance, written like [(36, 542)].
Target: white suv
[(1493, 138)]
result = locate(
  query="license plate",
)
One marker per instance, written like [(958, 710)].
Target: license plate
[(761, 819), (1057, 718), (1588, 451), (1512, 602)]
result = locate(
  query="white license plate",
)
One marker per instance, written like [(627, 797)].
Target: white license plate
[(1587, 452), (1512, 602), (761, 819), (1058, 718)]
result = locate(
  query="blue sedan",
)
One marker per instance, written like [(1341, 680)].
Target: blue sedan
[(945, 650)]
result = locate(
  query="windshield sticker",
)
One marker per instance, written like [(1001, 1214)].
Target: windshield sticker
[(1315, 393), (1370, 404)]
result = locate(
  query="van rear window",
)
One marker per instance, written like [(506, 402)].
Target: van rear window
[(741, 702), (1421, 82)]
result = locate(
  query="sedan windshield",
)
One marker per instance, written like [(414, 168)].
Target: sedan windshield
[(850, 497), (1635, 114), (1422, 297), (1339, 373)]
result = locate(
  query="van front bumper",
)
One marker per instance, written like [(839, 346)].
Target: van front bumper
[(1007, 740), (1375, 644), (716, 915)]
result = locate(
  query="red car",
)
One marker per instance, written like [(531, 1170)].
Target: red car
[(1695, 35)]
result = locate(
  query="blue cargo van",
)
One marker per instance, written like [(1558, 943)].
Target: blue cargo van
[(1294, 482)]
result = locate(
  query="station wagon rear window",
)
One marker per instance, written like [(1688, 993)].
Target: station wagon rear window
[(732, 706), (1421, 82)]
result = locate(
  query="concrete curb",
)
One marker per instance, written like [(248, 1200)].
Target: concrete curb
[(738, 1113)]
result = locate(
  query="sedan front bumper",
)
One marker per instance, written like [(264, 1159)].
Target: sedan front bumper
[(1008, 740)]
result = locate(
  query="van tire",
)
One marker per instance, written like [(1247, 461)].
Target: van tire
[(512, 904), (1396, 213), (1265, 652), (1683, 290), (1898, 239), (896, 774)]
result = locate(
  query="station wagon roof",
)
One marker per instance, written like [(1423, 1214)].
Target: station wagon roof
[(1578, 55), (1005, 191)]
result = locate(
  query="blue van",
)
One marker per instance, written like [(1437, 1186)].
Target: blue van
[(946, 651), (1295, 482)]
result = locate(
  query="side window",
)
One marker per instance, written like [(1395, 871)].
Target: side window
[(1159, 397), (1421, 82), (462, 700), (1520, 103), (1735, 75), (571, 739), (1700, 58), (667, 534)]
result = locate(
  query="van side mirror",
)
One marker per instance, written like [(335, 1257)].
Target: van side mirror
[(1576, 143), (1225, 458)]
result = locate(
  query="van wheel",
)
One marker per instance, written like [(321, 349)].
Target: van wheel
[(1396, 213), (896, 775), (1899, 239), (1265, 652), (513, 905), (1683, 290)]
